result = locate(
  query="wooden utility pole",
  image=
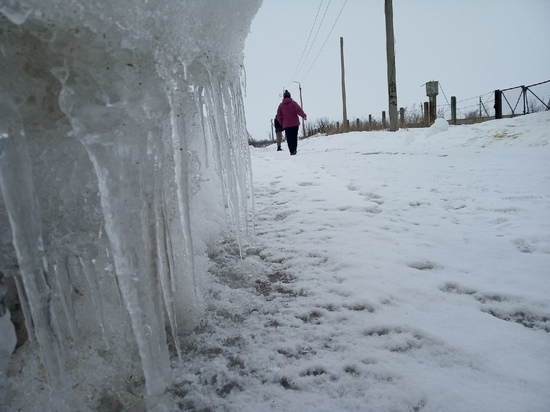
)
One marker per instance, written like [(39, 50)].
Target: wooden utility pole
[(302, 106), (390, 52), (345, 112)]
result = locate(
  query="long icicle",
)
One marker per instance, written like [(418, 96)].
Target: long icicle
[(17, 188)]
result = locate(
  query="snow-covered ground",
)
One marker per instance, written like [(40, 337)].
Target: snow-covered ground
[(404, 271)]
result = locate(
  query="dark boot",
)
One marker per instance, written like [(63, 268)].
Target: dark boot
[(279, 148)]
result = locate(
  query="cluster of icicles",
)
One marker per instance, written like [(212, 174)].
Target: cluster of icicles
[(123, 155)]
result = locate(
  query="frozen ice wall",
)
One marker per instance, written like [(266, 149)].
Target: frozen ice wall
[(123, 156)]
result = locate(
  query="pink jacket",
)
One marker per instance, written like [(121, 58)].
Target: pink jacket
[(288, 112)]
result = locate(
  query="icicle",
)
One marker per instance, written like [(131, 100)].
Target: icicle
[(64, 288), (187, 294), (25, 307), (164, 251), (19, 198), (124, 231), (91, 276)]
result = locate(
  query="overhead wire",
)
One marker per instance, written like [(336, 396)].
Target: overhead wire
[(308, 37), (315, 37), (325, 42)]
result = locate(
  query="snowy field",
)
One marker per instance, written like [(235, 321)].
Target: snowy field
[(404, 271)]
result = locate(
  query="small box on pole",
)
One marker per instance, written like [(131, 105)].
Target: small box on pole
[(432, 88)]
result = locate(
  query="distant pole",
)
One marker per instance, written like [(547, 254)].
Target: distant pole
[(272, 138), (432, 90), (498, 104), (302, 106), (390, 52), (433, 108), (345, 112), (453, 109), (525, 103), (480, 114)]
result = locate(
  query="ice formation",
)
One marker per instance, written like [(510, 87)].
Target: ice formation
[(123, 156)]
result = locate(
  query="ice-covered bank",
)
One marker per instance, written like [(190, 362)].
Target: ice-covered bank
[(123, 154)]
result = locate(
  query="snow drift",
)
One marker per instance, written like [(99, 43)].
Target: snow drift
[(123, 154)]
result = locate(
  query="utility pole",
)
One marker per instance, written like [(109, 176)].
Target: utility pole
[(302, 106), (390, 52), (345, 114)]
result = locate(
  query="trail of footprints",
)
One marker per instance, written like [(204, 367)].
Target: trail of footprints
[(507, 308)]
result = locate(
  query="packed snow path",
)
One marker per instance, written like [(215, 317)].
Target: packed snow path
[(400, 272)]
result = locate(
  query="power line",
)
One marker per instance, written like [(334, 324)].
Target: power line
[(307, 42), (475, 97), (314, 38), (322, 47), (443, 91)]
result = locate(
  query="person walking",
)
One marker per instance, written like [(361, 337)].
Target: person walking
[(278, 132), (287, 114)]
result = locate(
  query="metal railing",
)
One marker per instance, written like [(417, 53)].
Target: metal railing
[(522, 97)]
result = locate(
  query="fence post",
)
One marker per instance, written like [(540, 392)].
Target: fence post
[(384, 120), (453, 109), (426, 115), (337, 127), (370, 121), (357, 124), (525, 103), (433, 109), (402, 117), (498, 104)]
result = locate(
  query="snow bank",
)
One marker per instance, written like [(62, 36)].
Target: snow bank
[(440, 125)]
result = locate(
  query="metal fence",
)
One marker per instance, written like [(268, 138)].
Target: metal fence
[(508, 102)]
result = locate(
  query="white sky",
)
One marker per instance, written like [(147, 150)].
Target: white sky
[(471, 47)]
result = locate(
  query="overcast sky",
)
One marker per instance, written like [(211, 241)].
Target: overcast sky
[(471, 47)]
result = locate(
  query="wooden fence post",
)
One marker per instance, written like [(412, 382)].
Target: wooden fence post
[(426, 114), (402, 117), (433, 109), (384, 120), (370, 121), (498, 104), (453, 109)]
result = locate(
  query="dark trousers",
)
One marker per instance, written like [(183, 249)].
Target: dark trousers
[(291, 134)]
